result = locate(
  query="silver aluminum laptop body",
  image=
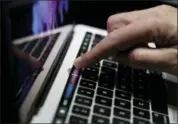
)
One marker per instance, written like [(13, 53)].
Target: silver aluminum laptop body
[(47, 111)]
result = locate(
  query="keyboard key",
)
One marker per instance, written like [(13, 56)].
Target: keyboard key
[(124, 87), (123, 95), (111, 58), (81, 110), (98, 38), (109, 64), (122, 113), (120, 121), (83, 101), (103, 101), (96, 65), (125, 72), (49, 47), (106, 80), (59, 121), (31, 45), (140, 121), (141, 104), (160, 119), (22, 45), (77, 120), (104, 92), (141, 113), (88, 34), (99, 120), (88, 84), (62, 112), (108, 70), (122, 103), (85, 92), (102, 110), (141, 94), (90, 73), (40, 47)]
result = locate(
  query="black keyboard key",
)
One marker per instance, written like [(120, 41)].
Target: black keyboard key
[(120, 121), (85, 92), (31, 45), (96, 65), (88, 84), (22, 45), (106, 80), (83, 49), (109, 64), (99, 120), (40, 47), (108, 70), (140, 121), (103, 101), (123, 95), (88, 34), (107, 85), (104, 92), (49, 47), (125, 87), (141, 104), (122, 103), (141, 94), (90, 73), (102, 110), (98, 38), (160, 119), (77, 120), (141, 113), (83, 101), (125, 71), (122, 113), (111, 58), (81, 110)]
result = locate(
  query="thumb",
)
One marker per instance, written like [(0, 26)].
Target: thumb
[(164, 59)]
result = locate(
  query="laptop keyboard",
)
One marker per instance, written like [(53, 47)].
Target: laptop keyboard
[(108, 92)]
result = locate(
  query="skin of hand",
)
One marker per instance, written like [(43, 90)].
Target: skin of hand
[(45, 14), (129, 34)]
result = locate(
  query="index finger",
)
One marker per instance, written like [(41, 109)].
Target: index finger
[(118, 40)]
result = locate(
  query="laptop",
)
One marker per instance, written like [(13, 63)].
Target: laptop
[(106, 92)]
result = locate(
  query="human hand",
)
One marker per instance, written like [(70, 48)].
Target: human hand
[(129, 32), (45, 14)]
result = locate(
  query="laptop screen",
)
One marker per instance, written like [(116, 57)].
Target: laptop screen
[(28, 19)]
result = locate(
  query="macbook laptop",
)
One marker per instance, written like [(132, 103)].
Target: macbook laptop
[(106, 92)]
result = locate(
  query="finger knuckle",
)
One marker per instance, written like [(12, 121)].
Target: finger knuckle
[(153, 28), (110, 20)]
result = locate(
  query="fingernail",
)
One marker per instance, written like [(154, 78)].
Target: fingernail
[(77, 62)]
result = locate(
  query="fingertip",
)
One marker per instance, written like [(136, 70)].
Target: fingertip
[(78, 63)]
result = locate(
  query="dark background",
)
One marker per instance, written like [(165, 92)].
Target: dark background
[(94, 13)]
